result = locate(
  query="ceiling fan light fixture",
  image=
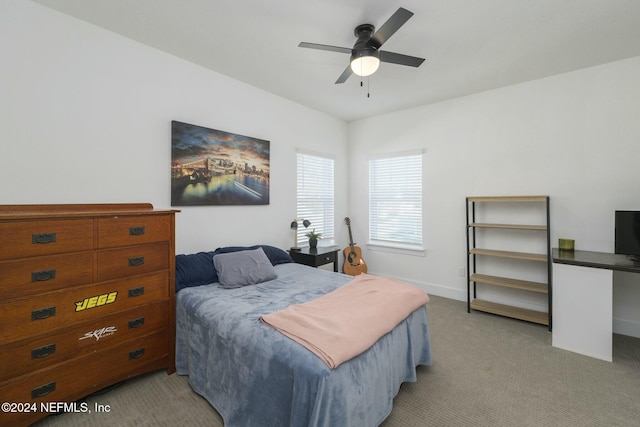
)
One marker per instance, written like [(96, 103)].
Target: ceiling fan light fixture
[(365, 62), (365, 54)]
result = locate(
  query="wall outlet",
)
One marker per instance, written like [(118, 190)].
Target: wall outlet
[(462, 272)]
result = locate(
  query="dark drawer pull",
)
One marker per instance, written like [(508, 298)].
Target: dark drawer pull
[(44, 351), (136, 292), (43, 390), (136, 231), (136, 323), (136, 261), (43, 313), (43, 238), (41, 276), (135, 354)]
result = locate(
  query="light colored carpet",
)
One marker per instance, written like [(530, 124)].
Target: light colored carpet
[(487, 371)]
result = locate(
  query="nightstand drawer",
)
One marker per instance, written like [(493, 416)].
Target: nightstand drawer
[(327, 258)]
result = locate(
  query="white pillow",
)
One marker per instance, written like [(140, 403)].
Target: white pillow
[(243, 268)]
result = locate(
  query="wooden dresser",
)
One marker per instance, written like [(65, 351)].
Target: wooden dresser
[(87, 300)]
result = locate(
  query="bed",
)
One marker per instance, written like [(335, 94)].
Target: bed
[(253, 375)]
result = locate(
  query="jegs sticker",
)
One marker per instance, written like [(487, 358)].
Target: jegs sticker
[(96, 301), (99, 333)]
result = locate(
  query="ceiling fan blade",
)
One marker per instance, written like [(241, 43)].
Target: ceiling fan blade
[(325, 47), (389, 28), (345, 75), (398, 58)]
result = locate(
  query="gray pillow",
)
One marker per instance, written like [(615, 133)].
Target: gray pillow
[(237, 269)]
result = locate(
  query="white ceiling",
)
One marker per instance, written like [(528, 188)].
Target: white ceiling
[(469, 45)]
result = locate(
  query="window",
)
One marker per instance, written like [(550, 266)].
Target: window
[(315, 195), (395, 201)]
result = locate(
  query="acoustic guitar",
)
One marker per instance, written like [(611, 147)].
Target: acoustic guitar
[(353, 262)]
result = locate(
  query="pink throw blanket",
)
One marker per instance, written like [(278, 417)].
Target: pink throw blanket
[(344, 323)]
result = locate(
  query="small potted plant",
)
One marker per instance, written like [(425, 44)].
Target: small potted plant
[(313, 238)]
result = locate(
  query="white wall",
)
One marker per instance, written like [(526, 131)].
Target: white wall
[(575, 137), (85, 116)]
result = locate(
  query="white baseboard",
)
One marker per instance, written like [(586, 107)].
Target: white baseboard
[(626, 327), (433, 289), (444, 291)]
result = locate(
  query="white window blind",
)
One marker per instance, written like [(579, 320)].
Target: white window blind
[(395, 200), (315, 200)]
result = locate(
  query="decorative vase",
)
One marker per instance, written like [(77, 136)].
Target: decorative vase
[(313, 243)]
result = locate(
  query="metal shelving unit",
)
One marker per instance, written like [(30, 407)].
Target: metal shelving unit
[(476, 277)]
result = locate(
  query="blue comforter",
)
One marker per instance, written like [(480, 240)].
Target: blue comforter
[(255, 376)]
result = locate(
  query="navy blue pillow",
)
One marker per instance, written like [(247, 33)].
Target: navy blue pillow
[(275, 255), (198, 269), (195, 270)]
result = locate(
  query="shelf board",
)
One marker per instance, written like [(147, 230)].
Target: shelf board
[(510, 283), (509, 254), (509, 226), (508, 199), (509, 311)]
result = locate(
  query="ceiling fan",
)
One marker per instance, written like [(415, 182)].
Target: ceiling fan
[(365, 54)]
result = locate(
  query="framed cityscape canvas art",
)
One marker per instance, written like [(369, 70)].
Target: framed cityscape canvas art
[(213, 167)]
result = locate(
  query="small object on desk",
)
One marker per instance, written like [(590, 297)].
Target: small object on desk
[(567, 245), (316, 257)]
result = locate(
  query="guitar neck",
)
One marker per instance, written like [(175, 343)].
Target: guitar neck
[(350, 237)]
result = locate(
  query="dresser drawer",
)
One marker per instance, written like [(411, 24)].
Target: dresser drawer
[(48, 312), (115, 263), (133, 230), (30, 276), (23, 239), (46, 350), (79, 377)]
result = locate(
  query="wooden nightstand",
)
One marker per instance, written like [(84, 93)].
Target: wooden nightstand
[(316, 257)]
